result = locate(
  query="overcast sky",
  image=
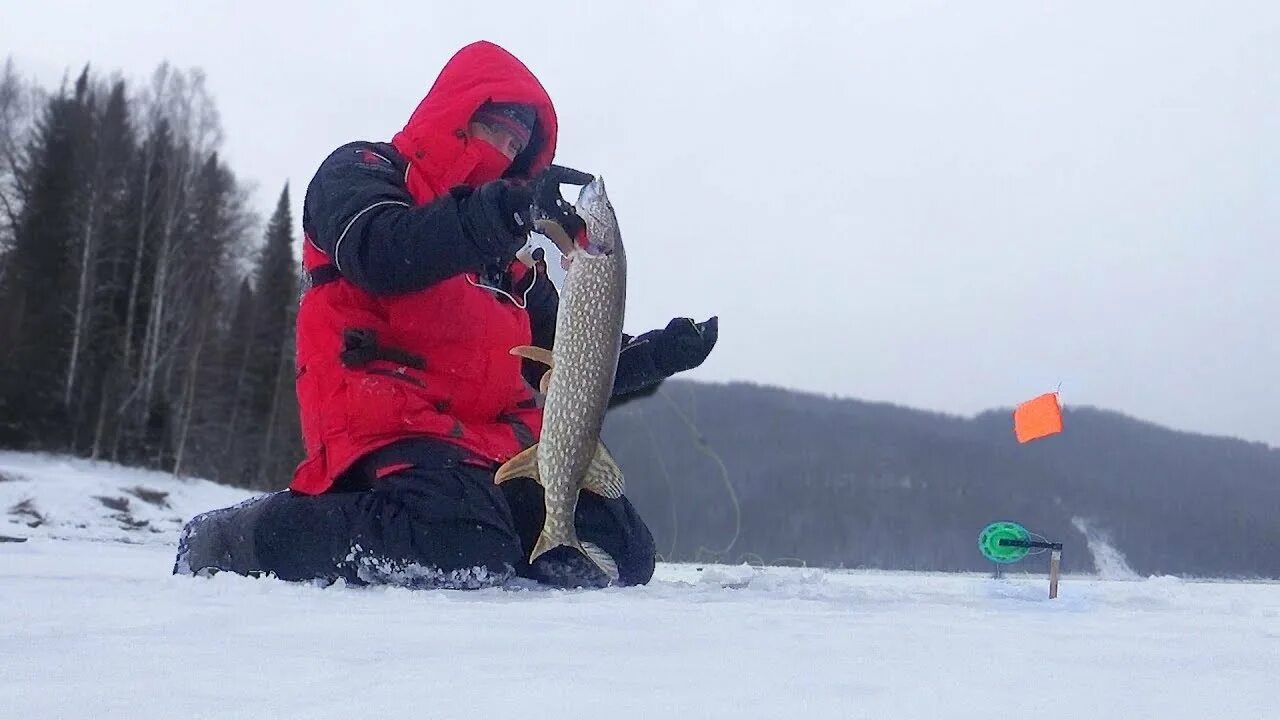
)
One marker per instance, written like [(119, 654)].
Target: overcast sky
[(952, 206)]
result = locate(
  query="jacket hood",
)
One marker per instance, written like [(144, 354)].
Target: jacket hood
[(435, 138)]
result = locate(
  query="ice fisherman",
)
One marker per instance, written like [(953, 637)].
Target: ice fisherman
[(408, 395)]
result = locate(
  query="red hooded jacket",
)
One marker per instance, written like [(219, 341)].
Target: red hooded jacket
[(467, 389)]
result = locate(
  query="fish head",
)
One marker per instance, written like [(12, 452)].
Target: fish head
[(596, 211)]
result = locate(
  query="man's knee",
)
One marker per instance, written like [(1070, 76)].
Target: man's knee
[(282, 533), (620, 524), (439, 528), (443, 527)]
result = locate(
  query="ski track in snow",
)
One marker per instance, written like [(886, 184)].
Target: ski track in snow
[(93, 625)]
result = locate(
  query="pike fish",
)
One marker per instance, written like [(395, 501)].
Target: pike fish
[(583, 361)]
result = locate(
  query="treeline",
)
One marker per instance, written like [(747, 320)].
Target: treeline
[(145, 317)]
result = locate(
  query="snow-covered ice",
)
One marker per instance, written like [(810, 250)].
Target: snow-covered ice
[(65, 498), (93, 626)]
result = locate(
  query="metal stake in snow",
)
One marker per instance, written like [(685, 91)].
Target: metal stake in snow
[(1008, 542)]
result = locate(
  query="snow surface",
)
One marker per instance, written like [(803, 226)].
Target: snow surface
[(92, 625)]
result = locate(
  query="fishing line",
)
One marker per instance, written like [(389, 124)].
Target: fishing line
[(671, 496), (1041, 538), (706, 448), (523, 302)]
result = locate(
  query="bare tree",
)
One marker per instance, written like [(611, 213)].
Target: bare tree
[(182, 130)]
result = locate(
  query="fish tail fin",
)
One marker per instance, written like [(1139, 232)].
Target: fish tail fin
[(590, 550), (544, 544), (602, 559)]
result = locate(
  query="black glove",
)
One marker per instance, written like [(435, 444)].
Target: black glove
[(496, 218), (684, 344), (549, 204), (649, 359)]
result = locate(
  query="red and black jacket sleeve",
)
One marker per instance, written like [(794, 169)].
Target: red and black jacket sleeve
[(359, 212)]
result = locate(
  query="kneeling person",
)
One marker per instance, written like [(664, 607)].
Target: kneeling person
[(408, 395)]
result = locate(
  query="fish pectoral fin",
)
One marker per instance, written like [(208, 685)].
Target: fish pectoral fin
[(524, 464), (604, 477), (535, 353), (602, 559)]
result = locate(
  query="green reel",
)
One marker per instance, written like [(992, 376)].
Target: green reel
[(990, 537)]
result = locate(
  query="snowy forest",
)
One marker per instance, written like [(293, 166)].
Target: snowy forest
[(147, 311)]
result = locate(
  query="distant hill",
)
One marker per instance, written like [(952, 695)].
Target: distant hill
[(842, 482)]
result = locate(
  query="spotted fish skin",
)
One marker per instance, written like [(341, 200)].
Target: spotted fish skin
[(569, 455)]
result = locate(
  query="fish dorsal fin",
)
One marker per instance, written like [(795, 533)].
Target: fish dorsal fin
[(535, 353), (524, 464), (604, 477)]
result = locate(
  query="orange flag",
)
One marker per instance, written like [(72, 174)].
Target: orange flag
[(1037, 418)]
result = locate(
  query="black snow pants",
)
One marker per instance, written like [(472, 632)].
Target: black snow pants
[(414, 514)]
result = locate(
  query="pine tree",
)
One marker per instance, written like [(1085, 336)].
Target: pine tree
[(275, 296), (14, 120), (40, 278), (95, 340), (107, 340)]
